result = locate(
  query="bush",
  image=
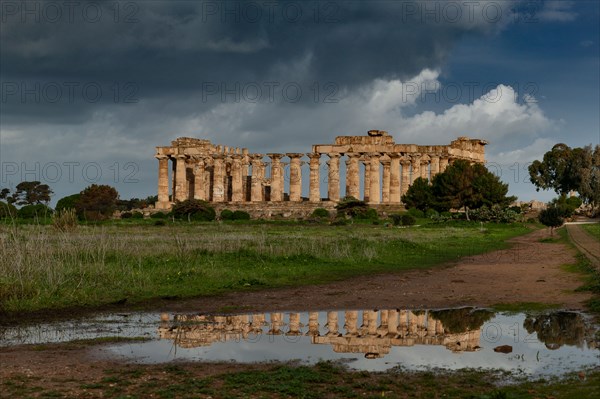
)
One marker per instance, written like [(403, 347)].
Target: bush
[(408, 220), (446, 214), (431, 213), (65, 219), (495, 214), (137, 215), (551, 217), (158, 215), (193, 209), (226, 214), (351, 207), (240, 215), (320, 213), (68, 202), (126, 215), (159, 222), (396, 218), (97, 202), (7, 210), (34, 212), (340, 222), (416, 213)]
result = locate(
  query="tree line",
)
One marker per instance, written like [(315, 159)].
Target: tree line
[(95, 202)]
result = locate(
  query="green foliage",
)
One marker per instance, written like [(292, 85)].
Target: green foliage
[(126, 215), (320, 213), (193, 209), (469, 186), (158, 215), (240, 215), (7, 210), (97, 202), (551, 217), (566, 169), (460, 320), (495, 214), (39, 211), (419, 195), (32, 193), (408, 220), (566, 206), (431, 213), (137, 215), (356, 209), (226, 214), (68, 202), (159, 222), (396, 218), (416, 213)]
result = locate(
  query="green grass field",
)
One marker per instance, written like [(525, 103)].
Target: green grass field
[(42, 268), (593, 229), (324, 380)]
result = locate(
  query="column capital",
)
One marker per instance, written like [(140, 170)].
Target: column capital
[(180, 156), (394, 155), (334, 155), (385, 162), (218, 156), (161, 156), (275, 156), (314, 155), (294, 155), (353, 155)]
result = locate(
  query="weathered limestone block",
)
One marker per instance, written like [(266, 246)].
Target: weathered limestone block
[(218, 178), (276, 178), (295, 177), (180, 179), (334, 177), (199, 191), (394, 197), (314, 187), (257, 178), (163, 182), (385, 190), (374, 188), (237, 186), (352, 176)]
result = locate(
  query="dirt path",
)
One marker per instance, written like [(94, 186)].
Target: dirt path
[(586, 243), (530, 271)]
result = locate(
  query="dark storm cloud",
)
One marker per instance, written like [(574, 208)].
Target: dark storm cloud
[(62, 60)]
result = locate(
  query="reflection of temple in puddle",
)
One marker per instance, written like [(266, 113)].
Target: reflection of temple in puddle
[(377, 333)]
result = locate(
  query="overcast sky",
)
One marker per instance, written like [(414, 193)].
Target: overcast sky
[(88, 89)]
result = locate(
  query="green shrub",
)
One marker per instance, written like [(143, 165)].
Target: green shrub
[(68, 202), (240, 215), (137, 215), (159, 222), (354, 208), (126, 215), (7, 210), (340, 222), (34, 211), (408, 220), (158, 215), (396, 219), (226, 214), (446, 214), (193, 209), (431, 213), (551, 217), (320, 213), (416, 213)]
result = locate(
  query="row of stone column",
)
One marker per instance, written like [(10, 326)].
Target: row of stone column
[(224, 177)]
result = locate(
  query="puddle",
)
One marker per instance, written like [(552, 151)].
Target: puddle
[(551, 343)]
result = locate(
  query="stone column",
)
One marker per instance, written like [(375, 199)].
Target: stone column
[(392, 323), (367, 179), (314, 184), (350, 325), (416, 168), (313, 324), (405, 175), (394, 178), (180, 178), (374, 195), (332, 324), (352, 178), (163, 182), (173, 178), (425, 167), (334, 177), (199, 180), (218, 178), (295, 177), (385, 192), (443, 163), (435, 165), (276, 187), (256, 193), (237, 186), (294, 325)]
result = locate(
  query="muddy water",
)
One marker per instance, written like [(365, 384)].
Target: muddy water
[(375, 340)]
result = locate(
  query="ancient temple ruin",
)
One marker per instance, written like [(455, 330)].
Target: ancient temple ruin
[(234, 176), (370, 332)]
